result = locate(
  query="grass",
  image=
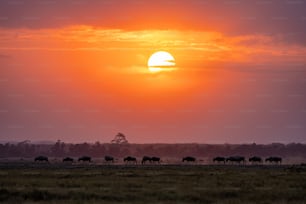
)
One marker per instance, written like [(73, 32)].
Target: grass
[(152, 184)]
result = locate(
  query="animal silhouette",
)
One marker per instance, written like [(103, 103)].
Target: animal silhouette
[(274, 160), (235, 159), (41, 159), (155, 159), (130, 159), (189, 159), (68, 159), (85, 158), (255, 159), (146, 159), (219, 159), (109, 159)]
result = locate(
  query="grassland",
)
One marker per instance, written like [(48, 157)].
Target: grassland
[(45, 183)]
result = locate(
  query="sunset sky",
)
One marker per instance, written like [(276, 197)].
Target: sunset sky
[(77, 71)]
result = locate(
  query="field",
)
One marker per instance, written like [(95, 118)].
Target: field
[(46, 183)]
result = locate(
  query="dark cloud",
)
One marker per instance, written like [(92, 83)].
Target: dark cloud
[(234, 17)]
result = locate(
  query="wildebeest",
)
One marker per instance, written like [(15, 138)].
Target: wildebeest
[(85, 158), (219, 159), (274, 159), (68, 159), (41, 159), (146, 159), (237, 159), (109, 159), (130, 159), (155, 159), (255, 159), (189, 159)]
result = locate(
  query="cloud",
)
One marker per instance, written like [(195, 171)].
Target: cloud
[(191, 48), (230, 17)]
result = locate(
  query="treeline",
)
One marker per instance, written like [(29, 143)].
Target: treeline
[(61, 149)]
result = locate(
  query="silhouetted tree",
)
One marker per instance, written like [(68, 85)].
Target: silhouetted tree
[(120, 139)]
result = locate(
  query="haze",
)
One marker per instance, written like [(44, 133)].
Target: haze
[(77, 71)]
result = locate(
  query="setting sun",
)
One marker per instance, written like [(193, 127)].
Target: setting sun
[(159, 71), (161, 61)]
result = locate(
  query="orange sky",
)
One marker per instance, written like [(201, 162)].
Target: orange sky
[(85, 80)]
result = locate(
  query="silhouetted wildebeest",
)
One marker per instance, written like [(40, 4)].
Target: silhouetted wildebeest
[(146, 159), (109, 159), (189, 159), (85, 158), (255, 159), (155, 159), (130, 159), (219, 159), (236, 159), (274, 159), (41, 159), (68, 159)]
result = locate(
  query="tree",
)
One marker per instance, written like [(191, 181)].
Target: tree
[(120, 139)]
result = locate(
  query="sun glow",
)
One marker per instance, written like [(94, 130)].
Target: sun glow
[(161, 61)]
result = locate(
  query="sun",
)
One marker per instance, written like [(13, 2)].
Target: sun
[(161, 61)]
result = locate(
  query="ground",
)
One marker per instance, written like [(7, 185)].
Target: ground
[(51, 183)]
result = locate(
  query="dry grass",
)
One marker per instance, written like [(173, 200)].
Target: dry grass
[(151, 184)]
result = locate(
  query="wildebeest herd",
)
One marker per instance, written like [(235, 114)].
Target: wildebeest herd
[(252, 160), (157, 160)]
